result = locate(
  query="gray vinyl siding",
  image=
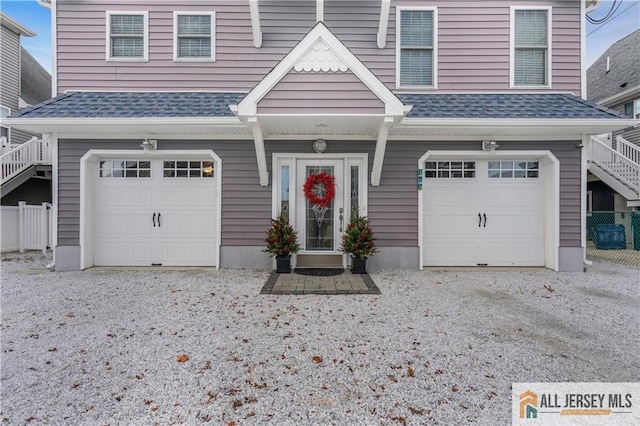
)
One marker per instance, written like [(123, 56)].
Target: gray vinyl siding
[(9, 69), (22, 136), (632, 136), (246, 206), (473, 47)]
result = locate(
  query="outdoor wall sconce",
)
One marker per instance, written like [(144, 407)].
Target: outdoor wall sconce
[(149, 144), (320, 146), (490, 145)]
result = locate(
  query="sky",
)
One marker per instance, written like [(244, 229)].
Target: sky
[(599, 37)]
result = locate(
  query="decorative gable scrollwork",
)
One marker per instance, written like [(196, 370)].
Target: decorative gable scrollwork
[(320, 58)]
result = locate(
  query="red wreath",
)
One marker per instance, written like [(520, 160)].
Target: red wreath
[(325, 180)]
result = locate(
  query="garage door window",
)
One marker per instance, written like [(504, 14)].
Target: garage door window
[(514, 169), (125, 169), (450, 169), (188, 169)]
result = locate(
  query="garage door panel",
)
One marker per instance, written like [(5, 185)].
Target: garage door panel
[(188, 224), (452, 224), (448, 253), (188, 195), (124, 195), (123, 253), (130, 225), (514, 195), (524, 224), (189, 253), (527, 253), (449, 195)]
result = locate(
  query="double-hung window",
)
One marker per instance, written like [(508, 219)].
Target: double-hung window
[(5, 131), (127, 36), (416, 41), (531, 47), (194, 36)]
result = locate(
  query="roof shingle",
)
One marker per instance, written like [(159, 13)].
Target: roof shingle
[(208, 104)]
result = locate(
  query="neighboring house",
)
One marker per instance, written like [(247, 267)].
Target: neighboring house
[(23, 82), (613, 81), (456, 127)]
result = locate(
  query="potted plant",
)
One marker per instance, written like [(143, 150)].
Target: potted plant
[(282, 241), (359, 241)]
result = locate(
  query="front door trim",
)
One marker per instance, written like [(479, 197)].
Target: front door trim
[(291, 160)]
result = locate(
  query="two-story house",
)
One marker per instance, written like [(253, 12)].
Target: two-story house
[(456, 127), (613, 81), (23, 82)]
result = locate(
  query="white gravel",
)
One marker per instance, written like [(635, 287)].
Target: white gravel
[(102, 347)]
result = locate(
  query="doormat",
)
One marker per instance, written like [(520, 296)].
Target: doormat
[(319, 272)]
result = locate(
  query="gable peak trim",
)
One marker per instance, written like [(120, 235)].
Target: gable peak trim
[(320, 37)]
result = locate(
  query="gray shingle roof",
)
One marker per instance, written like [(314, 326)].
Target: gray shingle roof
[(624, 67), (206, 104), (133, 104), (512, 105)]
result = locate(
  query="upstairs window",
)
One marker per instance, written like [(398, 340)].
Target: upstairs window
[(194, 36), (632, 108), (531, 41), (416, 47), (4, 130), (127, 38)]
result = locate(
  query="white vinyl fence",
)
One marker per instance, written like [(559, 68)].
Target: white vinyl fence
[(25, 227)]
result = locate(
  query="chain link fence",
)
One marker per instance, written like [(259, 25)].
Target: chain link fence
[(614, 237)]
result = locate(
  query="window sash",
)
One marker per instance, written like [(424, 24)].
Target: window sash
[(127, 36), (531, 47), (416, 47), (194, 36)]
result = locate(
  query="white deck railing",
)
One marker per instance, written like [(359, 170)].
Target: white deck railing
[(627, 149), (26, 227), (23, 156), (616, 164)]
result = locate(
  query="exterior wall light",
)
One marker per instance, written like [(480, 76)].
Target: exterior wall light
[(149, 144), (320, 146), (490, 145)]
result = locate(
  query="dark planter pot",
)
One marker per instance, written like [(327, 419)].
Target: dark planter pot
[(358, 265), (283, 264)]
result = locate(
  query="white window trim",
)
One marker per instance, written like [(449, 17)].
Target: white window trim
[(512, 46), (7, 127), (636, 109), (176, 58), (434, 86), (145, 35)]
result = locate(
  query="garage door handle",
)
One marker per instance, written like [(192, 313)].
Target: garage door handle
[(479, 220), (483, 215), (154, 220), (485, 221)]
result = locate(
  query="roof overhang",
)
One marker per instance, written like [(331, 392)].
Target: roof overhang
[(151, 126), (519, 129), (15, 26)]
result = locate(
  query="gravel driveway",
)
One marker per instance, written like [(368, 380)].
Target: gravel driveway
[(139, 347)]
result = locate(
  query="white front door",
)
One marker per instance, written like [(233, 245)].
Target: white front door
[(156, 212), (320, 228), (480, 213)]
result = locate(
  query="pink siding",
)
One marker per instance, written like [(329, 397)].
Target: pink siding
[(333, 93), (473, 49)]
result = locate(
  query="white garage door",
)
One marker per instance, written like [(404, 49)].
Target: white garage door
[(483, 213), (160, 212)]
